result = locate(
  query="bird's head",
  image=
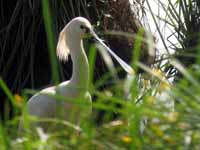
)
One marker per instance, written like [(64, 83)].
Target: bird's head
[(76, 29), (79, 26)]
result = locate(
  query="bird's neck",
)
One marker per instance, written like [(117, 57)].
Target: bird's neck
[(80, 74)]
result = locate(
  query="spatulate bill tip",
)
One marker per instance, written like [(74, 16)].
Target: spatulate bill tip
[(129, 70), (132, 72)]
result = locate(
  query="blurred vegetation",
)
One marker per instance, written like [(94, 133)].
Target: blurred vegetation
[(144, 111), (24, 55)]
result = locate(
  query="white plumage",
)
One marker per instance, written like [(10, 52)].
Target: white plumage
[(44, 104)]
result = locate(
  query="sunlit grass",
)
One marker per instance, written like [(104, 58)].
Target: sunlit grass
[(166, 127)]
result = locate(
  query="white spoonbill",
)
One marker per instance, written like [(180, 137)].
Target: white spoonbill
[(70, 42)]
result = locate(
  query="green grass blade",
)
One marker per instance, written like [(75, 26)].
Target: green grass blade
[(51, 39), (4, 139), (92, 58), (8, 93)]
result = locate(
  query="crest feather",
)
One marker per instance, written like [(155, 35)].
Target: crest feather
[(62, 48)]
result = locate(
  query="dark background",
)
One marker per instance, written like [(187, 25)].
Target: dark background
[(24, 58)]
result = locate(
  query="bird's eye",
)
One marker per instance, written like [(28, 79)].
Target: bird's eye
[(86, 29), (82, 27)]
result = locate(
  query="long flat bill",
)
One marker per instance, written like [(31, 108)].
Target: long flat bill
[(124, 65)]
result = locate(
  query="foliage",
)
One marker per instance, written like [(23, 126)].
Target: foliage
[(169, 110)]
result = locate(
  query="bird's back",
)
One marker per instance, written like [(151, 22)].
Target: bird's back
[(42, 105), (71, 107)]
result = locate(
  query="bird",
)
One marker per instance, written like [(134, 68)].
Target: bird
[(45, 104)]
